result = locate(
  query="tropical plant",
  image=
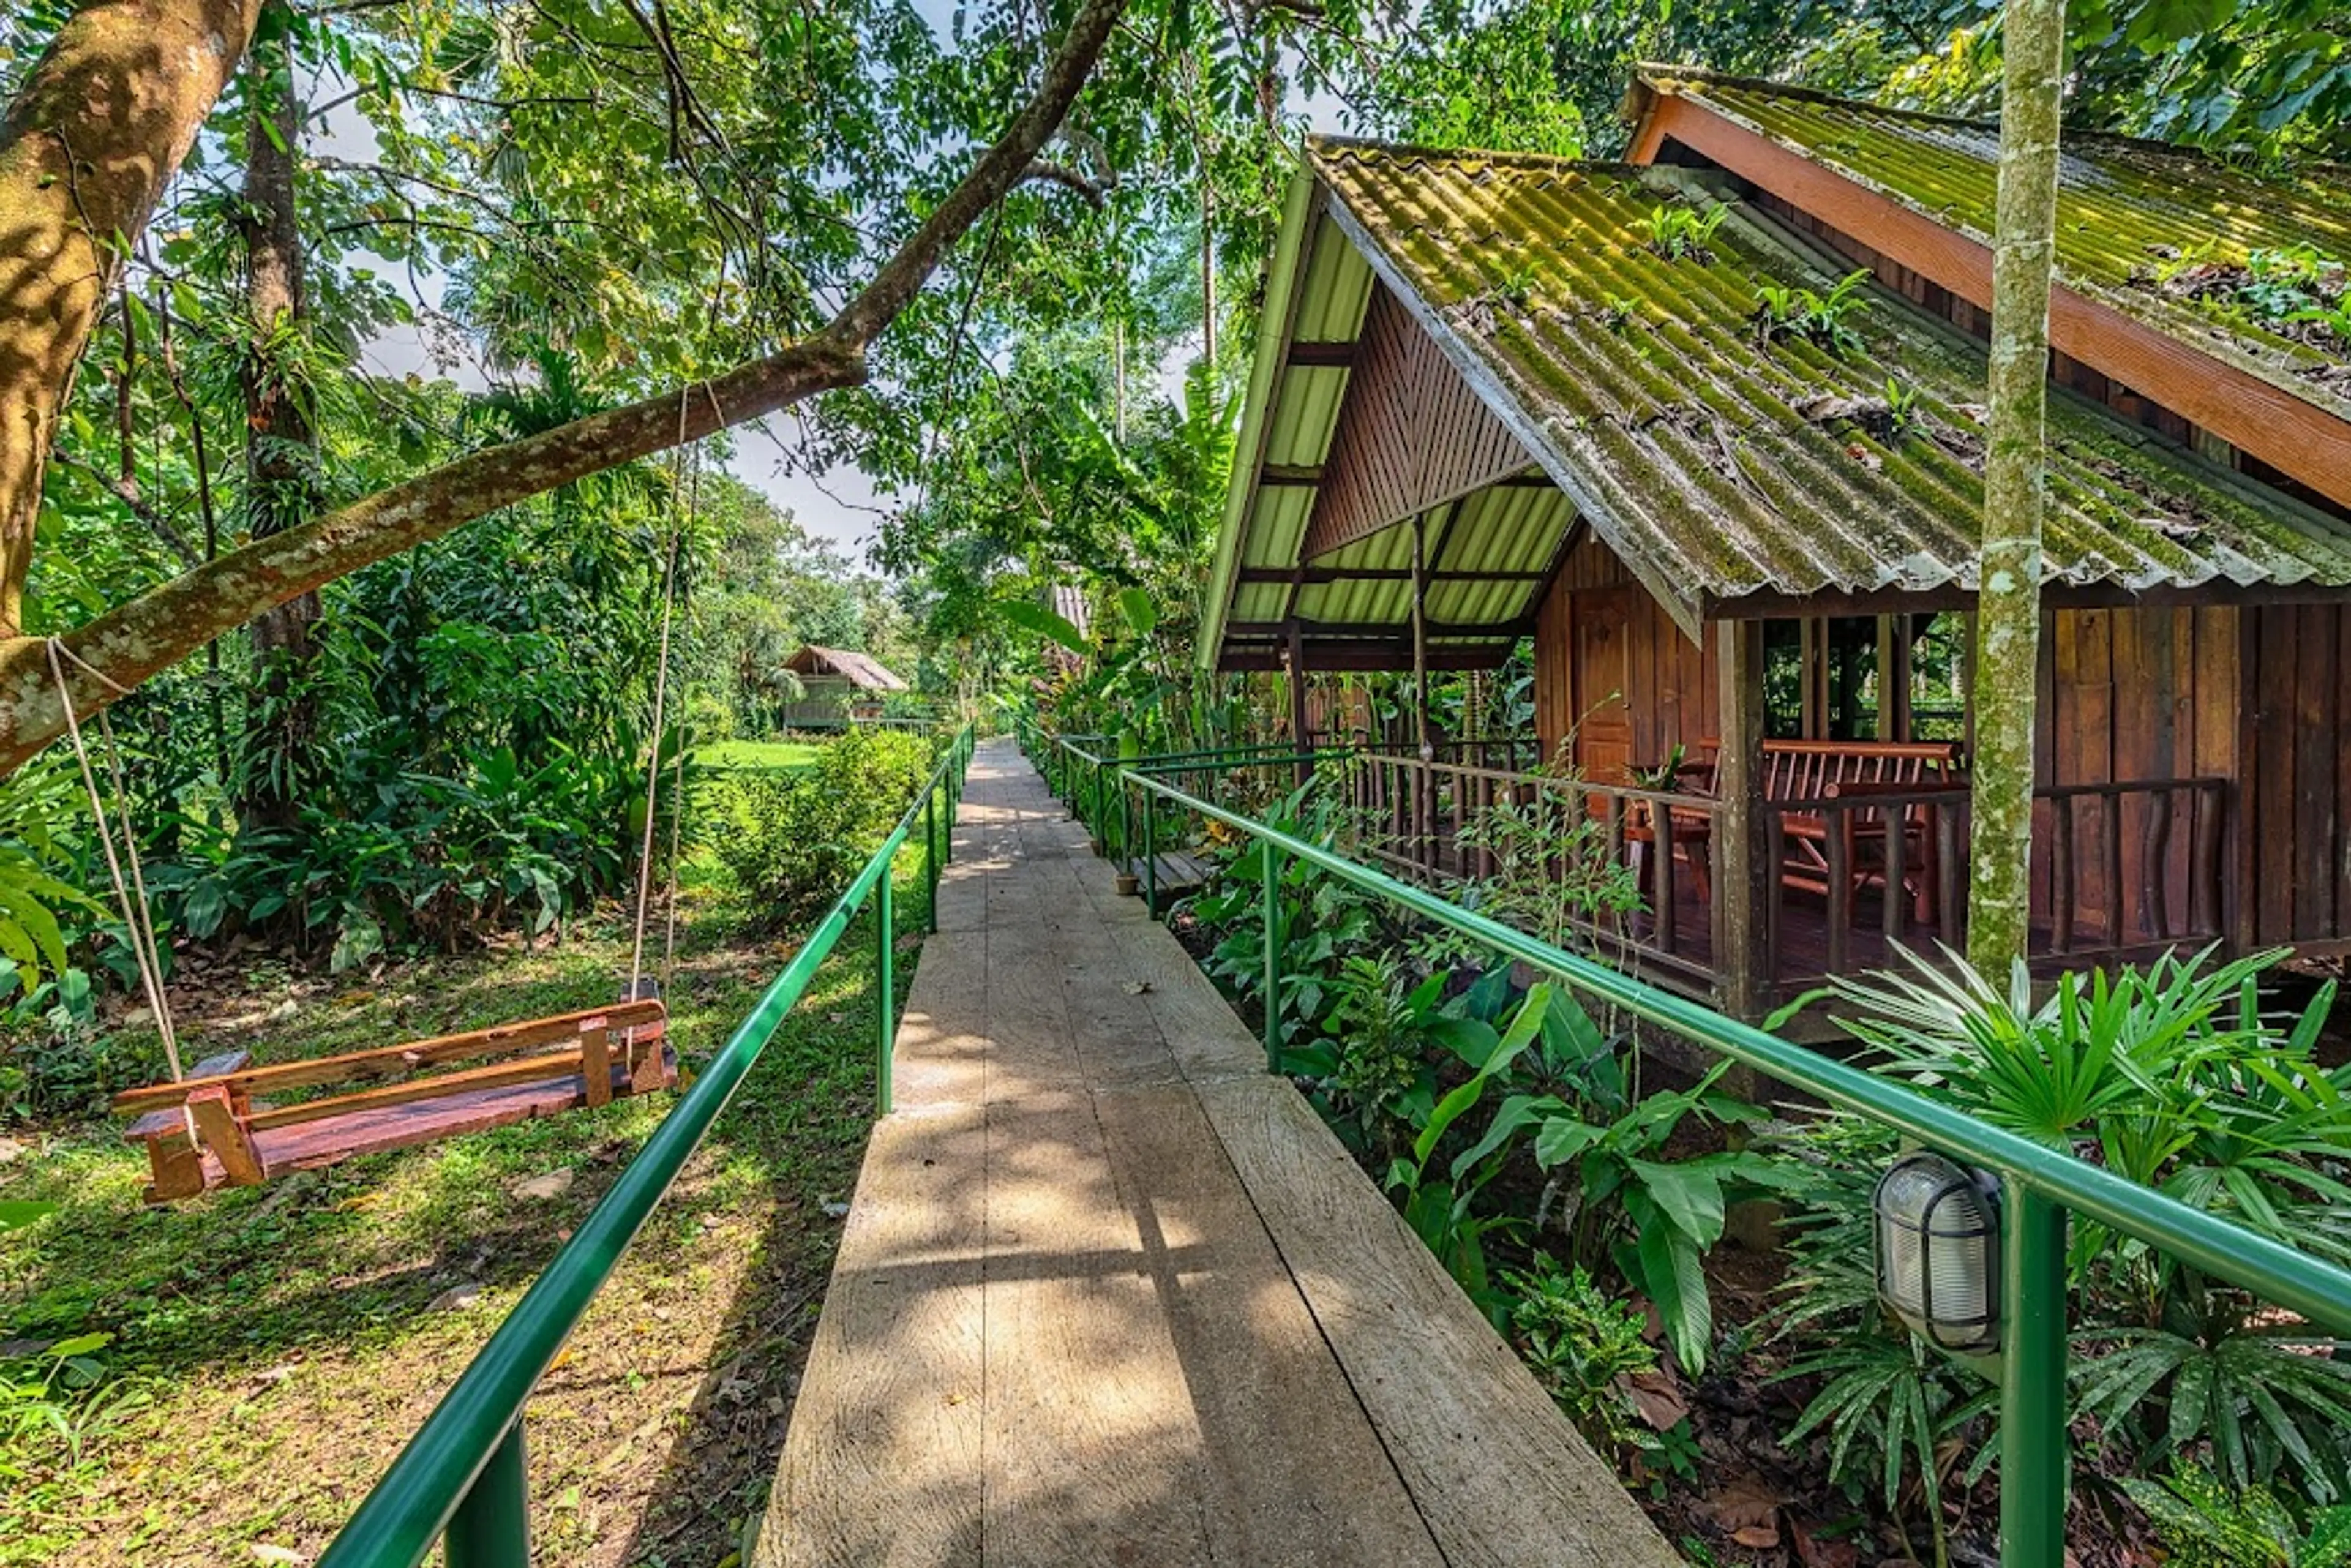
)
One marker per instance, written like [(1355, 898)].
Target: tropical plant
[(1441, 1208), (2205, 1522), (793, 839), (1582, 1346), (1675, 231), (2175, 1076), (1803, 314)]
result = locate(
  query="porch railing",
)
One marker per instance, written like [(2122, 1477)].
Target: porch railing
[(2041, 1185), (462, 1479), (2120, 870)]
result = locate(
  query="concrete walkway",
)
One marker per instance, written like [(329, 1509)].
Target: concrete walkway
[(1110, 1293)]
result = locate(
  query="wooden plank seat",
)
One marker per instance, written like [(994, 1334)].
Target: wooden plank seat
[(212, 1129)]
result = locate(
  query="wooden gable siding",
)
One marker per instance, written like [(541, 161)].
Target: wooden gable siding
[(1411, 433), (2260, 697), (2131, 694), (1664, 684)]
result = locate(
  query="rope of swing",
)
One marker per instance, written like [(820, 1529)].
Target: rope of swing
[(138, 921), (661, 705)]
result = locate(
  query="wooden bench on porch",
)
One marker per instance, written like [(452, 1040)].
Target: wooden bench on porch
[(1799, 772)]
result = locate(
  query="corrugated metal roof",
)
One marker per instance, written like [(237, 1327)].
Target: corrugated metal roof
[(2129, 212), (1703, 454)]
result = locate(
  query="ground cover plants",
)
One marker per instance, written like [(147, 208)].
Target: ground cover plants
[(224, 1379), (1514, 1131)]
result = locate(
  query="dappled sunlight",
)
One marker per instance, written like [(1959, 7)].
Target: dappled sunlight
[(1064, 1327)]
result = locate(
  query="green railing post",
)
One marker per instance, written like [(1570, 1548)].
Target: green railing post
[(491, 1528), (1272, 958), (1125, 824), (884, 940), (2034, 1459), (931, 853), (1150, 857)]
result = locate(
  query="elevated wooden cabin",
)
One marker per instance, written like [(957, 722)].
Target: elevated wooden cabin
[(1496, 397)]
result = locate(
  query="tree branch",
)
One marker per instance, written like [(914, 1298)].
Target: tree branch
[(157, 523), (1069, 179), (134, 641)]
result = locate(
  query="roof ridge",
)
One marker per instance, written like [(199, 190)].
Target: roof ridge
[(1324, 148), (1659, 76)]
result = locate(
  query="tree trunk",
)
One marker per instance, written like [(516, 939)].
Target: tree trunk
[(2008, 620), (85, 149), (281, 459), (103, 94)]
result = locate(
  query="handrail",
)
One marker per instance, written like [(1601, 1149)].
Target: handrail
[(462, 1472), (2040, 1184)]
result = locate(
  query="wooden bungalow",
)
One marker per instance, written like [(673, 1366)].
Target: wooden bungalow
[(1626, 410), (838, 687)]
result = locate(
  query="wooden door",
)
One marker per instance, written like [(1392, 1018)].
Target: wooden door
[(1603, 683)]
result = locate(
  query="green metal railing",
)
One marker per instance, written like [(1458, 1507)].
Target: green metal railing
[(462, 1477), (2041, 1187)]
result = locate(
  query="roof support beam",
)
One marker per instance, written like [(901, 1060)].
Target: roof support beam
[(1335, 352), (1366, 657), (1289, 474), (1314, 574), (1277, 631)]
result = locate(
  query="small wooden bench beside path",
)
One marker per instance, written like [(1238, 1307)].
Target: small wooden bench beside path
[(209, 1129)]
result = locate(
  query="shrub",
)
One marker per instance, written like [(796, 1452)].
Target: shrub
[(793, 841), (1582, 1344), (2172, 1076)]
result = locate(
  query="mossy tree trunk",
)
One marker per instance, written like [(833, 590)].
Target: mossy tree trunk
[(282, 487), (2008, 620), (86, 147)]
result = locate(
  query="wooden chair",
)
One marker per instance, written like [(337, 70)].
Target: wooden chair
[(210, 1130)]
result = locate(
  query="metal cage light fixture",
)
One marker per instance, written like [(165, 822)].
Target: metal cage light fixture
[(1938, 1231)]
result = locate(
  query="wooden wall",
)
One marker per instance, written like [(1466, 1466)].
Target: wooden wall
[(2126, 694), (1663, 685), (2295, 775)]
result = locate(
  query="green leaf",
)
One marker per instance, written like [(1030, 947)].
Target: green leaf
[(1689, 1196), (1672, 1276), (1036, 618), (16, 1213), (1140, 614)]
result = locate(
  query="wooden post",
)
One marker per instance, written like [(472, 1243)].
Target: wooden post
[(1746, 880), (1420, 638), (1298, 731), (1423, 821)]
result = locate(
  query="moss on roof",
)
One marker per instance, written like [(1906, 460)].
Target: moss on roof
[(1719, 465), (2129, 212)]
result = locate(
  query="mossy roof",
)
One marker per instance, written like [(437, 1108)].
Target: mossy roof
[(1700, 452), (2127, 209)]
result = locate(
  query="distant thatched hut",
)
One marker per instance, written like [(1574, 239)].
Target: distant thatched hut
[(837, 688)]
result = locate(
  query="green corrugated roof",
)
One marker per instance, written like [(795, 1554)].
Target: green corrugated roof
[(2129, 212), (1686, 440), (1698, 451)]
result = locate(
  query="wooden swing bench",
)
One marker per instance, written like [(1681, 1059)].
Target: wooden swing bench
[(209, 1130)]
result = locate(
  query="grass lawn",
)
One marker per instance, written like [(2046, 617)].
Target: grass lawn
[(780, 754), (275, 1347)]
